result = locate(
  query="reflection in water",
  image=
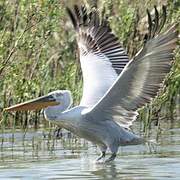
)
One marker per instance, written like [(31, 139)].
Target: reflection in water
[(38, 155), (105, 171)]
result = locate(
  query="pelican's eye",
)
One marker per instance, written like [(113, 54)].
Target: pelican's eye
[(51, 97)]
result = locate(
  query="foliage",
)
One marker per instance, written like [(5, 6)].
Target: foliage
[(38, 52)]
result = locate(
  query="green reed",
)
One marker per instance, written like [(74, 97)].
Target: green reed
[(38, 54)]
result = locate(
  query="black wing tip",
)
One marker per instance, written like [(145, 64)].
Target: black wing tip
[(71, 16), (80, 16), (156, 24)]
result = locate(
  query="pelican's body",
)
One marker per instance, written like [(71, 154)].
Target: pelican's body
[(114, 87), (103, 133)]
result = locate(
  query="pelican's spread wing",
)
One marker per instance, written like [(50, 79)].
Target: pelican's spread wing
[(101, 55), (140, 80)]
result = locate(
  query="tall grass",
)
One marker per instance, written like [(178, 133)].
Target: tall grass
[(38, 53)]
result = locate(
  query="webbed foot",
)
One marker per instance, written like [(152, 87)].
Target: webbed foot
[(111, 158)]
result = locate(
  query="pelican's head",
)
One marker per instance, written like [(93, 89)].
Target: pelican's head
[(56, 100), (63, 99)]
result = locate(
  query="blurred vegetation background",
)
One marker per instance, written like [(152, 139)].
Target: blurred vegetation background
[(38, 54)]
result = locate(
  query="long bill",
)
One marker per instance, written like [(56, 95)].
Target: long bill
[(35, 104)]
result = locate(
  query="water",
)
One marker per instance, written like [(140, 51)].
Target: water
[(35, 155)]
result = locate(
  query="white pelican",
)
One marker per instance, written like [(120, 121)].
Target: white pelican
[(114, 87)]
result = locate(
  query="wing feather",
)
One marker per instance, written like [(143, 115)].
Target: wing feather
[(101, 55), (140, 80)]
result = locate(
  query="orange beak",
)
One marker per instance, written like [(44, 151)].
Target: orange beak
[(35, 104)]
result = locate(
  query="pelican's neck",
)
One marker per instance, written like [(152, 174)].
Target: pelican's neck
[(56, 111), (72, 115)]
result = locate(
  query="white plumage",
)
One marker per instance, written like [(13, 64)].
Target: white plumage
[(98, 76)]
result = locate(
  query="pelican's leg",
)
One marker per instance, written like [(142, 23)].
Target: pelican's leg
[(103, 153), (111, 158), (114, 149)]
